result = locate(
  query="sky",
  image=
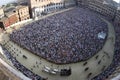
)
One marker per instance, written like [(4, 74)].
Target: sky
[(117, 0), (7, 1), (2, 2)]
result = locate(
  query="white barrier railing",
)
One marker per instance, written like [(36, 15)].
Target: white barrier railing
[(17, 73)]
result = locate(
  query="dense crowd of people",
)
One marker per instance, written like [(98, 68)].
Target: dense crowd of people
[(21, 68), (67, 37), (116, 58), (64, 38)]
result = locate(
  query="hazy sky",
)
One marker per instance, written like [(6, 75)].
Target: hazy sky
[(7, 1), (117, 0)]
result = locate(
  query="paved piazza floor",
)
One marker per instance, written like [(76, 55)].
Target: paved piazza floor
[(77, 68)]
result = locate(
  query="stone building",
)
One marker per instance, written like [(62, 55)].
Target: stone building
[(9, 19), (12, 17), (117, 17), (1, 13), (4, 22), (44, 6), (13, 14), (68, 3), (41, 7), (103, 7), (22, 13)]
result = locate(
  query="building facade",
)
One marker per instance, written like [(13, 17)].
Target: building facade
[(117, 17), (44, 6), (12, 17), (68, 3), (4, 22), (103, 7), (9, 19), (1, 13), (22, 13), (41, 7)]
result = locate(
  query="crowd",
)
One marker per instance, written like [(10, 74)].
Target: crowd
[(21, 68), (116, 59), (67, 37), (64, 38)]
